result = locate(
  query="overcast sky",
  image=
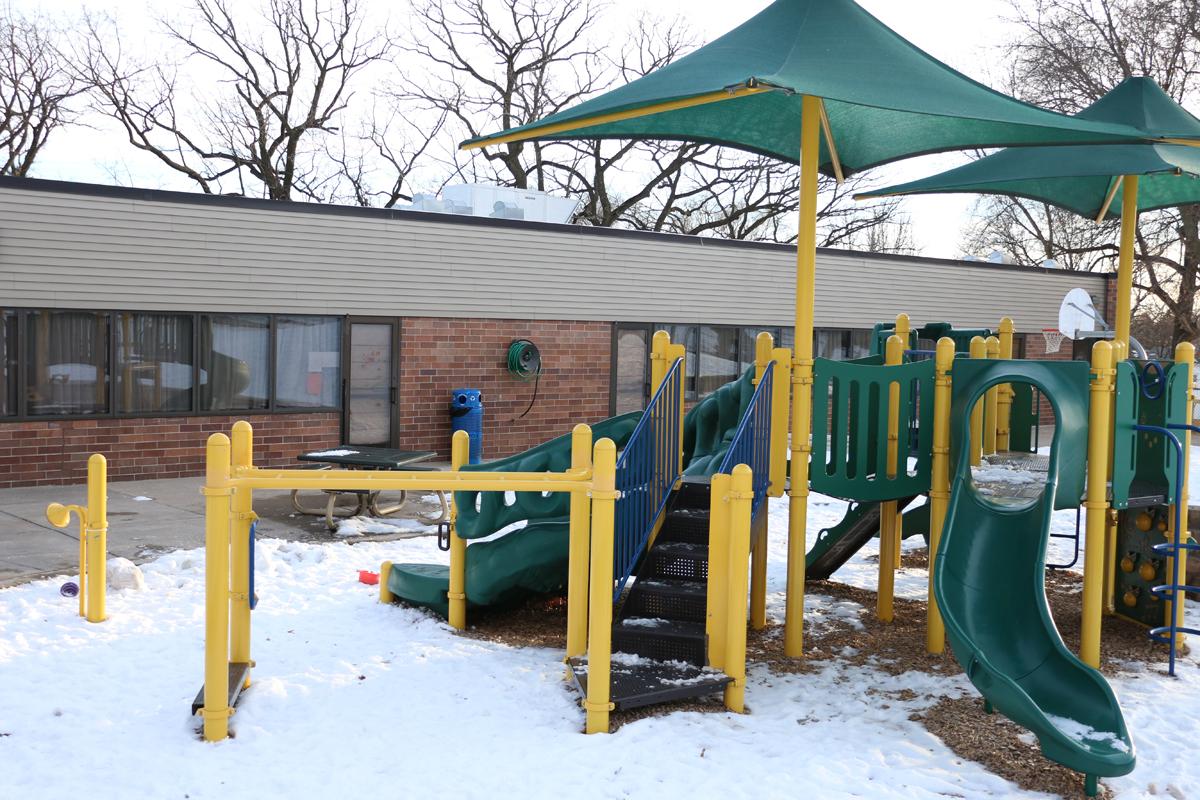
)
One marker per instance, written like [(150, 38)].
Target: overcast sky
[(966, 34)]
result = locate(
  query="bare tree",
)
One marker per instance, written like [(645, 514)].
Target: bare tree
[(1067, 54), (507, 63), (35, 90), (280, 84)]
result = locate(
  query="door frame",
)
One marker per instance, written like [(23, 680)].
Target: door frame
[(393, 389)]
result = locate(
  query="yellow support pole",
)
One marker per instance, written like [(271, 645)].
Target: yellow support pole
[(216, 493), (677, 352), (242, 509), (1120, 352), (1005, 396), (580, 537), (893, 356), (385, 594), (96, 536), (741, 497), (658, 359), (1129, 213), (460, 446), (904, 331), (1185, 353), (939, 488), (764, 347), (802, 374), (992, 403), (781, 394), (978, 349), (604, 498), (1096, 504), (717, 619)]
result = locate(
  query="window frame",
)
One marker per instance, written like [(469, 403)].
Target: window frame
[(22, 330)]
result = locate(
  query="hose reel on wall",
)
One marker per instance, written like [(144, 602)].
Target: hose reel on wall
[(525, 363)]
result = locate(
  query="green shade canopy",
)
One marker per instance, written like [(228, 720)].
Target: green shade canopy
[(884, 99), (1082, 178)]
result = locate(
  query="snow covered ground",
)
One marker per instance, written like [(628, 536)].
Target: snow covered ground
[(355, 699)]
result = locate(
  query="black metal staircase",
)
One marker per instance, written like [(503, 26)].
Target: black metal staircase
[(658, 639)]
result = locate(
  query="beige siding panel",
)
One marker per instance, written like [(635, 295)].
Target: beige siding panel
[(87, 251)]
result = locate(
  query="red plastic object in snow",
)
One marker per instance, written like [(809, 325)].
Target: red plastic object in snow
[(368, 577)]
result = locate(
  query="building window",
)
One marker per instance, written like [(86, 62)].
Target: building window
[(67, 367), (718, 359), (308, 361), (749, 341), (234, 362), (630, 375), (8, 363), (154, 363)]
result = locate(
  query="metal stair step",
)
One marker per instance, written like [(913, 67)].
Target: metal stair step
[(684, 560), (693, 492), (661, 639), (667, 598), (685, 525), (634, 683)]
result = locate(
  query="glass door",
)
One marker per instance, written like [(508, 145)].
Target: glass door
[(370, 416)]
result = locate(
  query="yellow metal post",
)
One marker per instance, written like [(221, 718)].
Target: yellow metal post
[(1129, 213), (780, 396), (385, 573), (904, 331), (802, 374), (216, 493), (677, 352), (604, 497), (1185, 353), (893, 356), (939, 487), (580, 536), (716, 620), (741, 497), (460, 446), (242, 506), (96, 535), (764, 347), (1005, 396), (658, 359), (992, 403), (978, 349), (1096, 504)]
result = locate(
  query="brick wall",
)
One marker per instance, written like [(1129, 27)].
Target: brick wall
[(439, 355), (40, 453)]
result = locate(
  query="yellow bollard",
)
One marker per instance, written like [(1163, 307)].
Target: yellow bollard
[(456, 595), (939, 490), (1005, 396), (741, 497), (978, 349), (580, 537), (93, 538), (385, 594), (604, 498), (717, 625), (884, 602), (1096, 504), (216, 493), (1185, 353), (242, 510), (991, 403), (802, 374)]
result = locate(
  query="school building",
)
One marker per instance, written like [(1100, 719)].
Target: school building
[(135, 323)]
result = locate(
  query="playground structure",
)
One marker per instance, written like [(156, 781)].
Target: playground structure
[(93, 536)]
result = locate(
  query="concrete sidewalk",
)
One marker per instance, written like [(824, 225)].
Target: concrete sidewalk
[(145, 519)]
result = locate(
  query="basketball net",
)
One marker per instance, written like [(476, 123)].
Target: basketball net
[(1054, 339)]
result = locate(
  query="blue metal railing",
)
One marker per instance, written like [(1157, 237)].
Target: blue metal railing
[(646, 473), (751, 443), (1173, 592)]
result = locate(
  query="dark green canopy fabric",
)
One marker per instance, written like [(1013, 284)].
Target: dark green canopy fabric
[(884, 98), (1080, 178)]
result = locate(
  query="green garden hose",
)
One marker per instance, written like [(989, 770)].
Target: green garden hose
[(525, 362)]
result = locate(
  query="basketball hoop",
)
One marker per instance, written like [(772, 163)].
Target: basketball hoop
[(1054, 339)]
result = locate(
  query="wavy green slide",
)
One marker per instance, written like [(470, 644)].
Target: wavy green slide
[(990, 583), (533, 559)]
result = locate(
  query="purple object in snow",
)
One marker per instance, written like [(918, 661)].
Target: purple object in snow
[(69, 589)]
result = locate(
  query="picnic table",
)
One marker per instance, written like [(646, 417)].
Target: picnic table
[(366, 500)]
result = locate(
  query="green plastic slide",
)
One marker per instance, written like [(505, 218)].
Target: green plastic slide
[(990, 583), (533, 559)]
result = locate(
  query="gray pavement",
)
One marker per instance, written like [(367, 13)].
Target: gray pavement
[(145, 519)]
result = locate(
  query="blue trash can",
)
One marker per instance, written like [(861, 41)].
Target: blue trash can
[(466, 414)]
